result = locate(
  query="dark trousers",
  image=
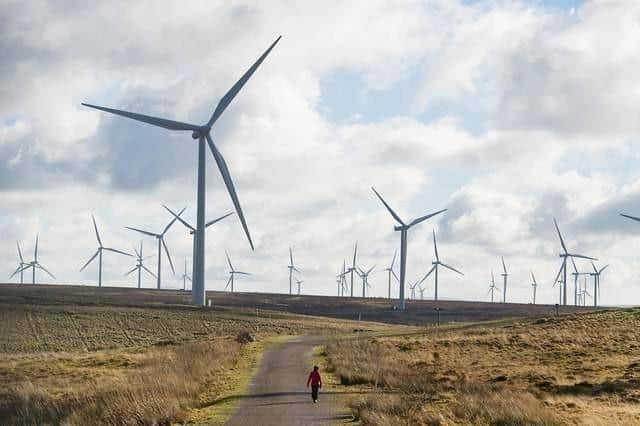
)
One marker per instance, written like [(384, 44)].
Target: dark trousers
[(314, 392)]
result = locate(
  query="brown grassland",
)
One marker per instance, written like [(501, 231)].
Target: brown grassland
[(576, 369)]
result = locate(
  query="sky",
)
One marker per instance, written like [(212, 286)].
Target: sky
[(506, 113)]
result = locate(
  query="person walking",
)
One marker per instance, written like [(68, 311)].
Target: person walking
[(316, 383)]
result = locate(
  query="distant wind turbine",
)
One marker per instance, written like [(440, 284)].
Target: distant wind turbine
[(98, 253), (421, 290), (203, 133), (140, 266), (596, 282), (161, 243), (353, 269), (299, 282), (185, 276), (365, 279), (563, 269), (534, 286), (403, 228), (437, 263), (292, 268), (21, 265), (35, 264), (391, 272), (504, 274), (492, 287), (232, 274)]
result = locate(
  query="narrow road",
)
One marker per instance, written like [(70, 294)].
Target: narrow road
[(278, 395)]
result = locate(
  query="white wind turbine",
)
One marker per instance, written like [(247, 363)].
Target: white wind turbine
[(403, 228), (140, 266), (391, 272), (161, 243), (437, 263), (504, 274), (21, 265), (202, 133), (563, 269), (421, 290), (292, 268), (232, 274), (185, 276), (35, 264), (353, 269), (534, 286), (299, 283), (365, 279), (596, 282), (98, 253), (492, 287)]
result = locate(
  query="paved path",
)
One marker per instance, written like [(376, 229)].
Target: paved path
[(278, 394)]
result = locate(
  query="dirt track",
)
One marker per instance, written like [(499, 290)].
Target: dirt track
[(277, 395)]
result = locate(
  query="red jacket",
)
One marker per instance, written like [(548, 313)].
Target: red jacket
[(314, 379)]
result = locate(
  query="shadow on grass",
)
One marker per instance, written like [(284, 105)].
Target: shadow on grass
[(259, 396)]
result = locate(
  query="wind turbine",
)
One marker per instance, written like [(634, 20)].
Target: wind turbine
[(437, 263), (413, 290), (232, 273), (365, 279), (203, 133), (421, 290), (403, 228), (139, 266), (185, 277), (161, 243), (391, 272), (493, 287), (21, 265), (353, 268), (504, 274), (596, 282), (34, 264), (291, 268), (192, 230), (98, 253), (534, 285), (563, 269), (341, 279), (298, 282)]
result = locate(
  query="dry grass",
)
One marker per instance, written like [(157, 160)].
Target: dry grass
[(579, 369)]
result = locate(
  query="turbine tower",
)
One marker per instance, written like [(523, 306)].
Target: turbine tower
[(421, 290), (403, 228), (21, 265), (291, 268), (353, 268), (492, 287), (202, 133), (98, 253), (391, 272), (139, 266), (161, 243), (232, 273), (563, 269), (596, 282), (434, 268), (185, 276), (34, 264), (504, 274), (365, 279), (299, 282), (192, 230), (534, 286)]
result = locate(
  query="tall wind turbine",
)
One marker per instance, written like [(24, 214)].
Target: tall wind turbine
[(437, 263), (203, 133), (492, 287), (365, 279), (391, 272), (192, 230), (504, 274), (232, 273), (353, 269), (292, 268), (21, 265), (403, 228), (534, 286), (185, 276), (563, 269), (34, 264), (140, 266), (596, 282), (299, 282), (161, 243), (98, 253)]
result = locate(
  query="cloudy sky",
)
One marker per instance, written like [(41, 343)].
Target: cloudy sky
[(505, 112)]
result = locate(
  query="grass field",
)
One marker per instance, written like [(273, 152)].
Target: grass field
[(576, 369)]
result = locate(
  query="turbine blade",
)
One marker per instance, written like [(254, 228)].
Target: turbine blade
[(182, 221), (146, 269), (166, 228), (151, 234), (603, 268), (156, 121), (451, 268), (241, 273), (226, 177), (423, 218), (558, 275), (427, 274), (637, 219), (228, 97), (355, 252), (95, 227), (504, 267), (35, 252), (394, 214), (395, 252), (131, 271), (534, 278), (369, 271), (229, 261), (208, 224), (228, 282), (19, 252), (581, 256), (15, 272), (117, 251), (44, 269), (575, 268), (435, 245), (564, 247), (166, 250), (291, 256), (89, 261)]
